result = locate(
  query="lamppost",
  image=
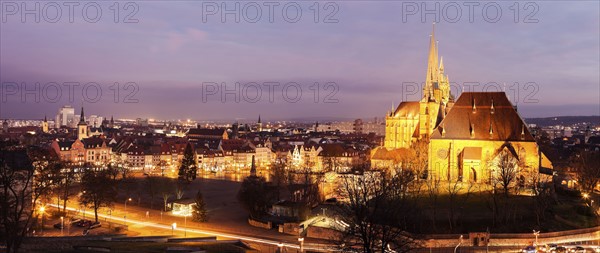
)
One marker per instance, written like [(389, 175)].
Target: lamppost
[(62, 225), (536, 234), (459, 242), (42, 209), (301, 240), (173, 227), (125, 216), (109, 218)]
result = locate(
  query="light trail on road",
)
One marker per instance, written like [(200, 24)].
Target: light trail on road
[(307, 246)]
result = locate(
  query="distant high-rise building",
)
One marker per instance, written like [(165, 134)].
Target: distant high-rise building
[(65, 117), (358, 126), (95, 121)]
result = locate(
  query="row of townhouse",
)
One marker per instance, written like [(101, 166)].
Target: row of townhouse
[(212, 153), (93, 151)]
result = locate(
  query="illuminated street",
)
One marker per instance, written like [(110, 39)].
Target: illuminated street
[(154, 228)]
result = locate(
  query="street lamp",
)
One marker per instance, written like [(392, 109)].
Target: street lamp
[(42, 209), (301, 240), (173, 227), (125, 217), (536, 234), (62, 225), (459, 242)]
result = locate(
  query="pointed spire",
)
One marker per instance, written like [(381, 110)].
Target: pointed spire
[(442, 65), (82, 117), (432, 65), (45, 118), (259, 118), (253, 168)]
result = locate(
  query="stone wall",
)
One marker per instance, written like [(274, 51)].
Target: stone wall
[(569, 236), (322, 233), (260, 224)]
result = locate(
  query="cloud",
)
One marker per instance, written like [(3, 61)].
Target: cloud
[(176, 40)]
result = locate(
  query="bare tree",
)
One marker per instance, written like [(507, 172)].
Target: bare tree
[(587, 167), (151, 188), (420, 161), (98, 190), (179, 189), (65, 185), (377, 212), (458, 193), (165, 189), (280, 177), (21, 185), (506, 170)]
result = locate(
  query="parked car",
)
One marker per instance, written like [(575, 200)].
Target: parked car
[(551, 247), (577, 249), (58, 225), (83, 223), (529, 249), (560, 249)]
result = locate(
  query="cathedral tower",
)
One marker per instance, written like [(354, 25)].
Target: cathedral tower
[(413, 120)]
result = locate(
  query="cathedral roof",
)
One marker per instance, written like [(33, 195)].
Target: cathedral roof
[(407, 109), (483, 116)]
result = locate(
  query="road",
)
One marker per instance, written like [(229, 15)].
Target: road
[(137, 222)]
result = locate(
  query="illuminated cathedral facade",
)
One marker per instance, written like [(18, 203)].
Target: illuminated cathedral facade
[(465, 138)]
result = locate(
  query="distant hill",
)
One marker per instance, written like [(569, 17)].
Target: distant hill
[(563, 120)]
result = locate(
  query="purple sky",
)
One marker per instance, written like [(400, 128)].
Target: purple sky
[(368, 54)]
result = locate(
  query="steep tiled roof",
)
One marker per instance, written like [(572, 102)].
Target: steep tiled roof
[(483, 116), (238, 145), (407, 109), (65, 145), (336, 150), (93, 142)]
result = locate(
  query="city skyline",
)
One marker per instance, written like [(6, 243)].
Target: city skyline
[(171, 54)]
